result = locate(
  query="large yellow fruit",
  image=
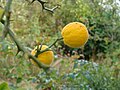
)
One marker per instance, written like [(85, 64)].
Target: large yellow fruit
[(46, 57), (75, 34)]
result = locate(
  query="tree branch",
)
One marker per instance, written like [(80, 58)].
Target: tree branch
[(20, 47), (46, 8), (7, 22), (7, 30)]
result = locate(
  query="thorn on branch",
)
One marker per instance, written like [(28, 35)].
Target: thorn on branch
[(18, 50), (40, 47)]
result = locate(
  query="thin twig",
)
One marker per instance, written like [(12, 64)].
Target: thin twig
[(46, 8), (48, 49)]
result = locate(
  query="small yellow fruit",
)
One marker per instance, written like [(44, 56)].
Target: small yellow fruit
[(46, 57), (75, 34)]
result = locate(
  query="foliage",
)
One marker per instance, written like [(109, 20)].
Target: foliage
[(33, 25), (4, 86), (102, 22), (87, 77)]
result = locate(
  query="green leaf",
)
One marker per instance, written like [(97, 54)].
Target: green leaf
[(4, 86), (19, 79)]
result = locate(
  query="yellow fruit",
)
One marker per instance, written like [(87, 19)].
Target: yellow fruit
[(75, 34), (46, 57)]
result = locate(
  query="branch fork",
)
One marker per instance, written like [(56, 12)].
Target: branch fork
[(7, 30)]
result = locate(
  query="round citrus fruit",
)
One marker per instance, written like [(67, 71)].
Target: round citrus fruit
[(45, 58), (75, 34)]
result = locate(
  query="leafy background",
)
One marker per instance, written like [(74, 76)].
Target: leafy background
[(32, 25)]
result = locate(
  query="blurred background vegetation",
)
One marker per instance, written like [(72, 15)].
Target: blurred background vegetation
[(32, 25)]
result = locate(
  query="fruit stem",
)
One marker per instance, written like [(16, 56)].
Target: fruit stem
[(55, 42), (48, 49)]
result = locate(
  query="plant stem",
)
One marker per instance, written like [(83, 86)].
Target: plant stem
[(48, 49), (7, 30)]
